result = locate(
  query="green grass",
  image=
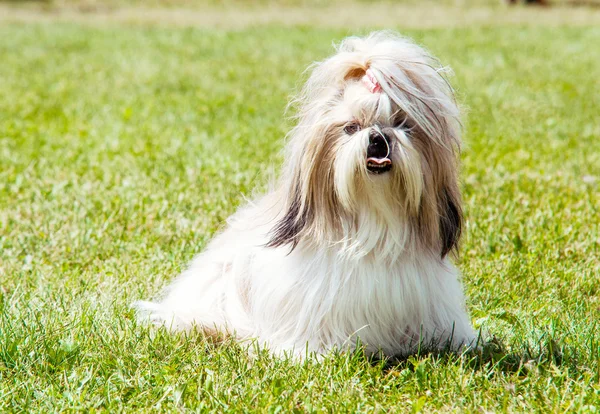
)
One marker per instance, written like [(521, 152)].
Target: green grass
[(122, 150)]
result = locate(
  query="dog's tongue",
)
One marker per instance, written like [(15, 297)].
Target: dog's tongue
[(379, 161)]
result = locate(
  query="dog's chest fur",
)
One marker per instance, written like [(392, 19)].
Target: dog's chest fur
[(316, 297)]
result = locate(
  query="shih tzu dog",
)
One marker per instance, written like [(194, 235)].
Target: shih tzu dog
[(352, 245)]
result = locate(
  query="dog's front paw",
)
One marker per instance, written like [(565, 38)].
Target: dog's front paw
[(157, 314)]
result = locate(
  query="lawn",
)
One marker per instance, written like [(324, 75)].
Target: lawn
[(124, 147)]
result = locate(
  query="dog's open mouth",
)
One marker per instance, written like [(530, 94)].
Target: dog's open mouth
[(378, 165)]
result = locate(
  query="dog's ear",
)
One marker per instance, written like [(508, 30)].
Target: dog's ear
[(451, 220), (307, 188), (287, 230)]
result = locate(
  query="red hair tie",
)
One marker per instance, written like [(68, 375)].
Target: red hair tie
[(370, 82)]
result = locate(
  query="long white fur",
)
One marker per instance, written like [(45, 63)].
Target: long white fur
[(371, 279)]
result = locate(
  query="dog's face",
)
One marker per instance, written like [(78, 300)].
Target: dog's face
[(372, 161)]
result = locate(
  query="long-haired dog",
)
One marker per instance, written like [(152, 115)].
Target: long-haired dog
[(352, 244)]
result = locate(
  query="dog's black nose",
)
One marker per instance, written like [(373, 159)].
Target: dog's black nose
[(379, 152), (379, 145)]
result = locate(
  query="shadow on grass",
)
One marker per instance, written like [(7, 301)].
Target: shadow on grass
[(494, 356)]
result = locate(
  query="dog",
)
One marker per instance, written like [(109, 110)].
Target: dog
[(352, 246)]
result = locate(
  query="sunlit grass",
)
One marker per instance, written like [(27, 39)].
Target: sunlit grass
[(122, 150)]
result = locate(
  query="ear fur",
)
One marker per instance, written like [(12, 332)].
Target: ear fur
[(451, 220), (287, 230)]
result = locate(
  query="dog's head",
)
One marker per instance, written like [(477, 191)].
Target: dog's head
[(373, 158)]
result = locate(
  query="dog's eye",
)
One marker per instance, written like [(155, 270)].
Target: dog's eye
[(404, 123), (351, 128)]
